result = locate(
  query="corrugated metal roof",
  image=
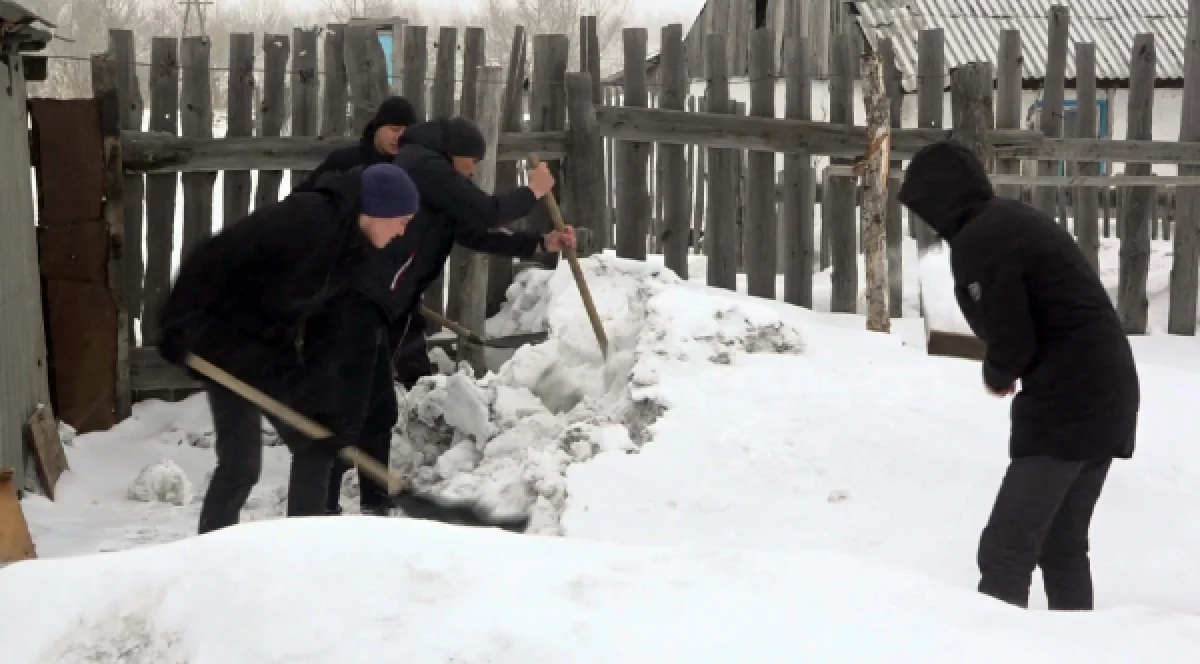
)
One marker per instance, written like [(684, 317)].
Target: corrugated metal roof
[(972, 31)]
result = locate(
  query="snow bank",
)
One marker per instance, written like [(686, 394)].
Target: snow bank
[(937, 292), (352, 589), (509, 438)]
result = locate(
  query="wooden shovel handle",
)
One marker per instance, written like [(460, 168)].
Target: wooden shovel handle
[(352, 455), (453, 326), (584, 292)]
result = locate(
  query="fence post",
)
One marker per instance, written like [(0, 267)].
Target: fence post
[(395, 84), (461, 258), (273, 112), (1008, 101), (633, 212), (584, 165), (799, 185), (416, 67), (196, 120), (1139, 201), (336, 99), (762, 221), (161, 187), (129, 98), (875, 181), (1046, 198), (500, 268), (931, 82), (720, 233), (1181, 315), (894, 214), (841, 190), (237, 185), (306, 90), (676, 220), (442, 106), (366, 71), (548, 112), (971, 110), (1087, 229)]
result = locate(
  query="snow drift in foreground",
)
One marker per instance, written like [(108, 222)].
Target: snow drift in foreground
[(508, 438), (355, 589)]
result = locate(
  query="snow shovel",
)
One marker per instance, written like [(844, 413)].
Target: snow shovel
[(573, 259), (511, 341), (413, 505)]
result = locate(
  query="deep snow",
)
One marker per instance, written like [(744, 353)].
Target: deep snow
[(845, 476)]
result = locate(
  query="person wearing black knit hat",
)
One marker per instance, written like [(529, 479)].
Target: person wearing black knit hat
[(378, 144), (441, 156), (276, 301)]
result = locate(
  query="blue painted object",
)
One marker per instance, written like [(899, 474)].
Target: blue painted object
[(385, 40), (1070, 108)]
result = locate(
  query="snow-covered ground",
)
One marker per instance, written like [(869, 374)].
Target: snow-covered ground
[(741, 481)]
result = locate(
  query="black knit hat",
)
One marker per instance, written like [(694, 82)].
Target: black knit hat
[(463, 139), (395, 111)]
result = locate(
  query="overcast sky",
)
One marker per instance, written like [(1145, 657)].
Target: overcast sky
[(679, 11)]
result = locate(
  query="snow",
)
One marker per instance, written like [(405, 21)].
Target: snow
[(741, 480), (937, 292)]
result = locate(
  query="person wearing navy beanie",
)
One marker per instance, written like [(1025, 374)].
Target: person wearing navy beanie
[(282, 300)]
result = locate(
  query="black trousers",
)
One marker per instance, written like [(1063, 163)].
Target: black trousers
[(1041, 519), (238, 425), (368, 374)]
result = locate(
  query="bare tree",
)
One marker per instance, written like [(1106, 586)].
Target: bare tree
[(344, 10), (542, 17)]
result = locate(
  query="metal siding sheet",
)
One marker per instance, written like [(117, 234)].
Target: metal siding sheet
[(972, 29)]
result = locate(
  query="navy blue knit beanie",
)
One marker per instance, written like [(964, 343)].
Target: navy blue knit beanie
[(388, 192)]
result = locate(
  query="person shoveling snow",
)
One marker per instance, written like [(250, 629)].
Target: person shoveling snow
[(1027, 291)]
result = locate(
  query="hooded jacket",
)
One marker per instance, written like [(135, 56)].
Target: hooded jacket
[(393, 111), (264, 299), (453, 210), (1027, 291)]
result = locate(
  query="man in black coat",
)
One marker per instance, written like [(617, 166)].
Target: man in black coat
[(1026, 290), (378, 144), (440, 156), (276, 301)]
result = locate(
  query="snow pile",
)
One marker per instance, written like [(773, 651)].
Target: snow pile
[(162, 482), (509, 438), (937, 292), (282, 591)]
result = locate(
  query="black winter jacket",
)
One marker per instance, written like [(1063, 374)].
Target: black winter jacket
[(265, 299), (343, 159), (453, 209), (1026, 290)]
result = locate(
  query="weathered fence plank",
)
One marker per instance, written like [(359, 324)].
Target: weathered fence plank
[(971, 109), (161, 188), (1008, 101), (1132, 305), (129, 99), (584, 169), (196, 120), (1046, 198), (762, 221), (633, 211), (461, 258), (841, 190), (931, 54), (238, 186), (500, 269), (441, 98), (416, 67), (366, 71), (799, 182), (1185, 281), (336, 97), (548, 112), (875, 182), (396, 84), (306, 90), (676, 217), (273, 113), (719, 230), (1087, 229)]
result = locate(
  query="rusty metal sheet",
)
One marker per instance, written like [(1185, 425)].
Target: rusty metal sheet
[(81, 322), (75, 252), (70, 158)]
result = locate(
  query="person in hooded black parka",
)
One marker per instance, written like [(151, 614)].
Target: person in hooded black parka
[(1027, 291)]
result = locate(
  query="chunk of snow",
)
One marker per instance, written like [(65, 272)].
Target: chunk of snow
[(162, 482), (937, 293)]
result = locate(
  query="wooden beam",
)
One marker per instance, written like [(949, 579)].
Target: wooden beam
[(1185, 265)]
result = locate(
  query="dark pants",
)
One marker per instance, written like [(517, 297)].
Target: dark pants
[(1041, 519), (410, 353), (238, 425), (368, 373)]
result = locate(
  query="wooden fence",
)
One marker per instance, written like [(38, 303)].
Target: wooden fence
[(645, 179)]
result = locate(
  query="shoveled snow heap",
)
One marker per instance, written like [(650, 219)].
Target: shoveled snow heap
[(508, 438)]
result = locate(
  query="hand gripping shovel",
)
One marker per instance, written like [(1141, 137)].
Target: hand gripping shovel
[(413, 505)]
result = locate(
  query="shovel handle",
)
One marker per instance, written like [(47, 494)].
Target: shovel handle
[(352, 455), (453, 326), (584, 292)]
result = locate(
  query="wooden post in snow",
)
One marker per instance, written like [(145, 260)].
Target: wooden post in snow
[(196, 121), (462, 260), (841, 190), (1046, 198), (584, 167), (894, 217), (720, 233), (548, 112), (1008, 102), (761, 223), (238, 186), (931, 72), (676, 217), (129, 97), (161, 187), (633, 198), (1087, 228), (442, 106), (873, 168), (500, 268), (1181, 316), (799, 185), (336, 94), (1132, 305), (306, 89), (971, 109), (273, 112)]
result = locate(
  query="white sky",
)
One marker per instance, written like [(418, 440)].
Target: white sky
[(680, 11)]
